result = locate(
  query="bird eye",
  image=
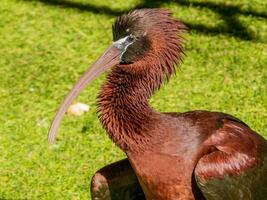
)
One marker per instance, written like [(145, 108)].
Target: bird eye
[(130, 38)]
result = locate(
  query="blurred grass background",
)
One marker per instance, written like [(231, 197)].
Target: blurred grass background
[(46, 45)]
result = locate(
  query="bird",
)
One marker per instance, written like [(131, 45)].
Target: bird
[(195, 155)]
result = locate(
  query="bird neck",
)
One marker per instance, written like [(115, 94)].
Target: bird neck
[(124, 110)]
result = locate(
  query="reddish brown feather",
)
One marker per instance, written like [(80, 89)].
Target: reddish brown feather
[(165, 150), (123, 102), (234, 149)]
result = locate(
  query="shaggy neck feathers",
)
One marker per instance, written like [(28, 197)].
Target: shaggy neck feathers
[(124, 110), (123, 104)]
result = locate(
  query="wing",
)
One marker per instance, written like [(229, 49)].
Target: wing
[(116, 181), (234, 165)]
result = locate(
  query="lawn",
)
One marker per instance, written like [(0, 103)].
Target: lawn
[(46, 45)]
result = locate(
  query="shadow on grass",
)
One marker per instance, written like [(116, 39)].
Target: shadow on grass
[(84, 7), (228, 12)]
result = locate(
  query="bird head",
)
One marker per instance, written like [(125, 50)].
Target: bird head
[(143, 39), (148, 36)]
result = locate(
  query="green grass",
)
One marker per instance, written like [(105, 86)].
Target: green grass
[(45, 47)]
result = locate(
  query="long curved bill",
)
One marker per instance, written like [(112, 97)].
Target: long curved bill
[(110, 58)]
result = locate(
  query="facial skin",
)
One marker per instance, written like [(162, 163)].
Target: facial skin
[(135, 34), (124, 43), (136, 50)]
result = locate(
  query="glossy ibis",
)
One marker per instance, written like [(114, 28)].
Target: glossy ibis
[(191, 155)]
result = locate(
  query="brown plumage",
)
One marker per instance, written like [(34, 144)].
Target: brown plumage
[(129, 86), (193, 155)]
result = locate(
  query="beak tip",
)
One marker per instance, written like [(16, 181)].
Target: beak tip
[(50, 141), (108, 59), (51, 137)]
